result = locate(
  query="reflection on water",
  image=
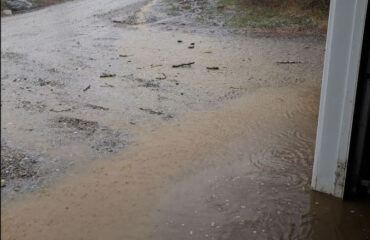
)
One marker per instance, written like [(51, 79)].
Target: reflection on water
[(258, 187), (260, 195)]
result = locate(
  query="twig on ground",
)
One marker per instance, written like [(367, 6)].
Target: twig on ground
[(87, 88), (107, 75), (150, 111), (125, 55), (153, 65), (183, 65), (289, 62)]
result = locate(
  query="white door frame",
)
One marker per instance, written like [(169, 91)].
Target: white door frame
[(338, 93)]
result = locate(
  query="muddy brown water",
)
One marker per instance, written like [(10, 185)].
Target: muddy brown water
[(241, 172), (225, 155)]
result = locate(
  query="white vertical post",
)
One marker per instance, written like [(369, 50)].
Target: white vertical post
[(338, 93)]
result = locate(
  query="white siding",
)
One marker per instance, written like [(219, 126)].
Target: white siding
[(341, 66)]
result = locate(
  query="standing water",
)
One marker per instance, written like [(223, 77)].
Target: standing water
[(222, 149)]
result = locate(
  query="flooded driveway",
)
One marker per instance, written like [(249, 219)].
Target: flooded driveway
[(112, 141)]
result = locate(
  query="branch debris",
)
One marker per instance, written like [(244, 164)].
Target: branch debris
[(289, 62), (107, 75), (87, 88), (183, 65), (150, 111)]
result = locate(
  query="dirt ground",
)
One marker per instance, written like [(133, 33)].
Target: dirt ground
[(106, 135)]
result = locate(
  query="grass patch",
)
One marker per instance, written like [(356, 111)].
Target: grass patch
[(238, 13), (261, 14)]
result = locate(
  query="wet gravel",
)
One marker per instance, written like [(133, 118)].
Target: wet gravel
[(100, 138), (16, 165)]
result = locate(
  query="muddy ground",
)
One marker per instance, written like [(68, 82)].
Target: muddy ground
[(104, 135)]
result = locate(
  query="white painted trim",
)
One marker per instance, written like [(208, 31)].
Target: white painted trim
[(338, 93)]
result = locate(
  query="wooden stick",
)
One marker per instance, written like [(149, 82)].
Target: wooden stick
[(183, 65)]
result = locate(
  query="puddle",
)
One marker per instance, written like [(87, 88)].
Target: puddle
[(239, 172), (220, 153)]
